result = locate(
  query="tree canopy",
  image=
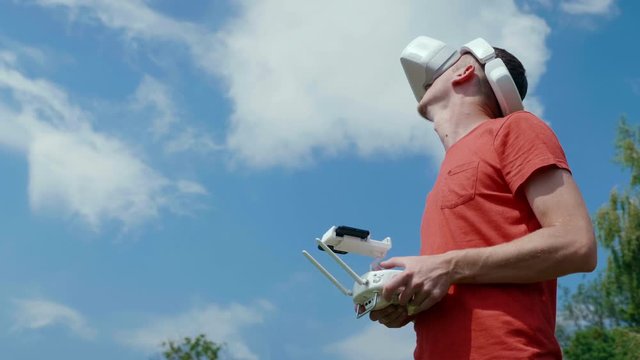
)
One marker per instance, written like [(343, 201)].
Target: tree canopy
[(198, 348), (605, 312)]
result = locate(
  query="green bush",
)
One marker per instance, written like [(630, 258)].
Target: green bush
[(596, 343)]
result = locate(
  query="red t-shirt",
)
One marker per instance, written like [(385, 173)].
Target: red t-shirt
[(477, 201)]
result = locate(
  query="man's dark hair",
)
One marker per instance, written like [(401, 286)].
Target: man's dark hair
[(515, 69)]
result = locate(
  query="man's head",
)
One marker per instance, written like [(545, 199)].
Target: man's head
[(468, 75), (477, 69), (465, 79)]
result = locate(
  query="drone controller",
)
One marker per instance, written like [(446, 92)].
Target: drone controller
[(367, 289), (368, 297)]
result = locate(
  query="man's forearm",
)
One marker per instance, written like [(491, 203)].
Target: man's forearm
[(545, 254)]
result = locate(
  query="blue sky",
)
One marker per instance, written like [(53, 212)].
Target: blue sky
[(164, 164)]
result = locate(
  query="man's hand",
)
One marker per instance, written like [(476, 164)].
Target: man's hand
[(393, 316), (424, 281)]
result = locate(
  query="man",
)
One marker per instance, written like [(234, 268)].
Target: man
[(504, 220)]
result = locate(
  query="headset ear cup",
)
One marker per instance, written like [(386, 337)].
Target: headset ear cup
[(503, 86)]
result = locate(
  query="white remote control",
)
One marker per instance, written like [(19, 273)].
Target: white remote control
[(368, 296), (367, 290)]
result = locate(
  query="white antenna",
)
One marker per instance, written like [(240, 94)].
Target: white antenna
[(327, 274), (342, 264), (346, 239)]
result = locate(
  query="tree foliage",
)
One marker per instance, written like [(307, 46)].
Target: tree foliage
[(596, 343), (618, 225), (198, 348), (588, 306), (606, 311)]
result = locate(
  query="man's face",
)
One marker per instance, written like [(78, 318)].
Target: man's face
[(422, 105), (433, 93)]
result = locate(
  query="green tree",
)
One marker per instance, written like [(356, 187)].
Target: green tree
[(596, 343), (606, 311), (198, 348), (618, 225), (588, 307)]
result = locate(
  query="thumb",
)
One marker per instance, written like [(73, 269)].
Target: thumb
[(393, 262)]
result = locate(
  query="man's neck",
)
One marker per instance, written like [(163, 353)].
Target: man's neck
[(453, 125)]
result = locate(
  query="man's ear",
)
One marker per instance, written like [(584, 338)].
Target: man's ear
[(464, 75)]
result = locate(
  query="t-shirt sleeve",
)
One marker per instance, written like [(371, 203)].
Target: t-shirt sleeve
[(524, 144)]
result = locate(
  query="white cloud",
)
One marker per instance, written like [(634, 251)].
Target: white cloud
[(73, 169), (376, 343), (190, 139), (219, 323), (534, 105), (93, 176), (190, 187), (13, 134), (33, 314), (308, 78), (138, 21), (152, 93), (10, 50), (166, 125), (299, 85), (588, 7)]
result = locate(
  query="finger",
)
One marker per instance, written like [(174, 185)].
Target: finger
[(428, 302), (417, 300), (412, 310), (387, 311), (376, 315), (400, 322), (397, 314), (393, 262), (401, 319), (406, 295), (394, 286)]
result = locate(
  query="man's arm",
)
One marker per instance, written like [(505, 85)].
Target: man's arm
[(565, 244)]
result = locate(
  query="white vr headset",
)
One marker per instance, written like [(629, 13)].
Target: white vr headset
[(425, 58)]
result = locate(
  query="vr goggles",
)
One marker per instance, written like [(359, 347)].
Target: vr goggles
[(425, 58)]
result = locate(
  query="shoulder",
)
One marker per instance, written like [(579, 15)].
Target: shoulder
[(516, 122), (524, 144), (521, 120), (523, 125)]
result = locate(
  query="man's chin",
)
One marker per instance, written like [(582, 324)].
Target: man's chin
[(422, 110)]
